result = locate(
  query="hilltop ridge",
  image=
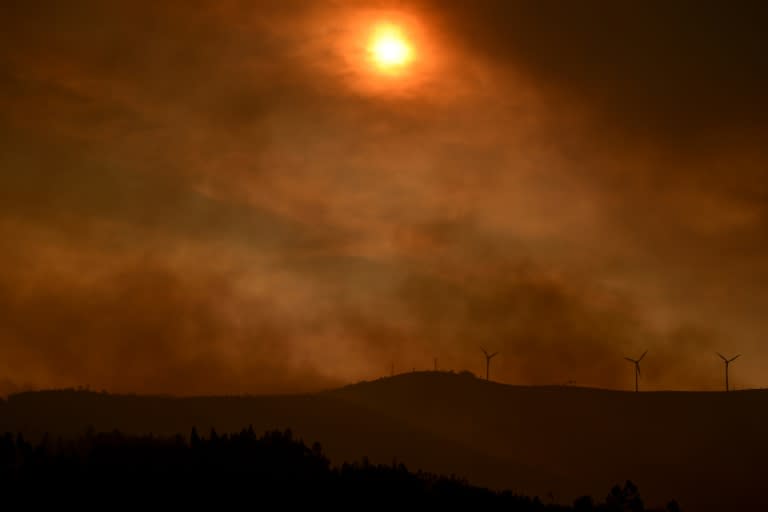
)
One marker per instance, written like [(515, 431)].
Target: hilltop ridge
[(705, 449)]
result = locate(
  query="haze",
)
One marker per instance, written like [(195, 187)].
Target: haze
[(227, 197)]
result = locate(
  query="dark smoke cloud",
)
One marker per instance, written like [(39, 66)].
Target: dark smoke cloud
[(145, 328), (677, 73), (215, 198)]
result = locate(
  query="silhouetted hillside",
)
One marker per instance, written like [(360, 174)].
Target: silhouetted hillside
[(274, 470), (708, 449), (704, 449)]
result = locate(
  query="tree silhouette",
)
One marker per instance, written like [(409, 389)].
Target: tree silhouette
[(625, 499)]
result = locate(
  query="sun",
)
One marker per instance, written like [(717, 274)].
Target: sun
[(389, 48), (391, 51)]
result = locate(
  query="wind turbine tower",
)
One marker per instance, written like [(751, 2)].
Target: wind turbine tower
[(636, 362), (488, 358), (727, 362)]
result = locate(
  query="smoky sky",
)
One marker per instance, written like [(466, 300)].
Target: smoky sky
[(224, 197)]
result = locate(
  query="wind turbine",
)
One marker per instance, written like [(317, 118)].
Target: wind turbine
[(488, 358), (637, 367), (727, 362)]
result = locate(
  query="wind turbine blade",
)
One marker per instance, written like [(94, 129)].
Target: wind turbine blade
[(721, 356), (484, 351), (630, 360), (493, 355), (642, 356), (637, 367), (734, 357)]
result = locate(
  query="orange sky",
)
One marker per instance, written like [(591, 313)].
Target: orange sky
[(232, 197)]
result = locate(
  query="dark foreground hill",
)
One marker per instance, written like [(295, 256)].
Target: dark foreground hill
[(241, 470), (707, 450)]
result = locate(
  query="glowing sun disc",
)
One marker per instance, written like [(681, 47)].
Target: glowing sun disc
[(389, 49)]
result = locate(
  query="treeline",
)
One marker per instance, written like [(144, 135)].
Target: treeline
[(244, 468)]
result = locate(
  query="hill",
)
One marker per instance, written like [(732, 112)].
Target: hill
[(236, 470), (706, 450)]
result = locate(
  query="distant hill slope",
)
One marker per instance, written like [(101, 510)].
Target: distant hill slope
[(707, 450), (346, 430)]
